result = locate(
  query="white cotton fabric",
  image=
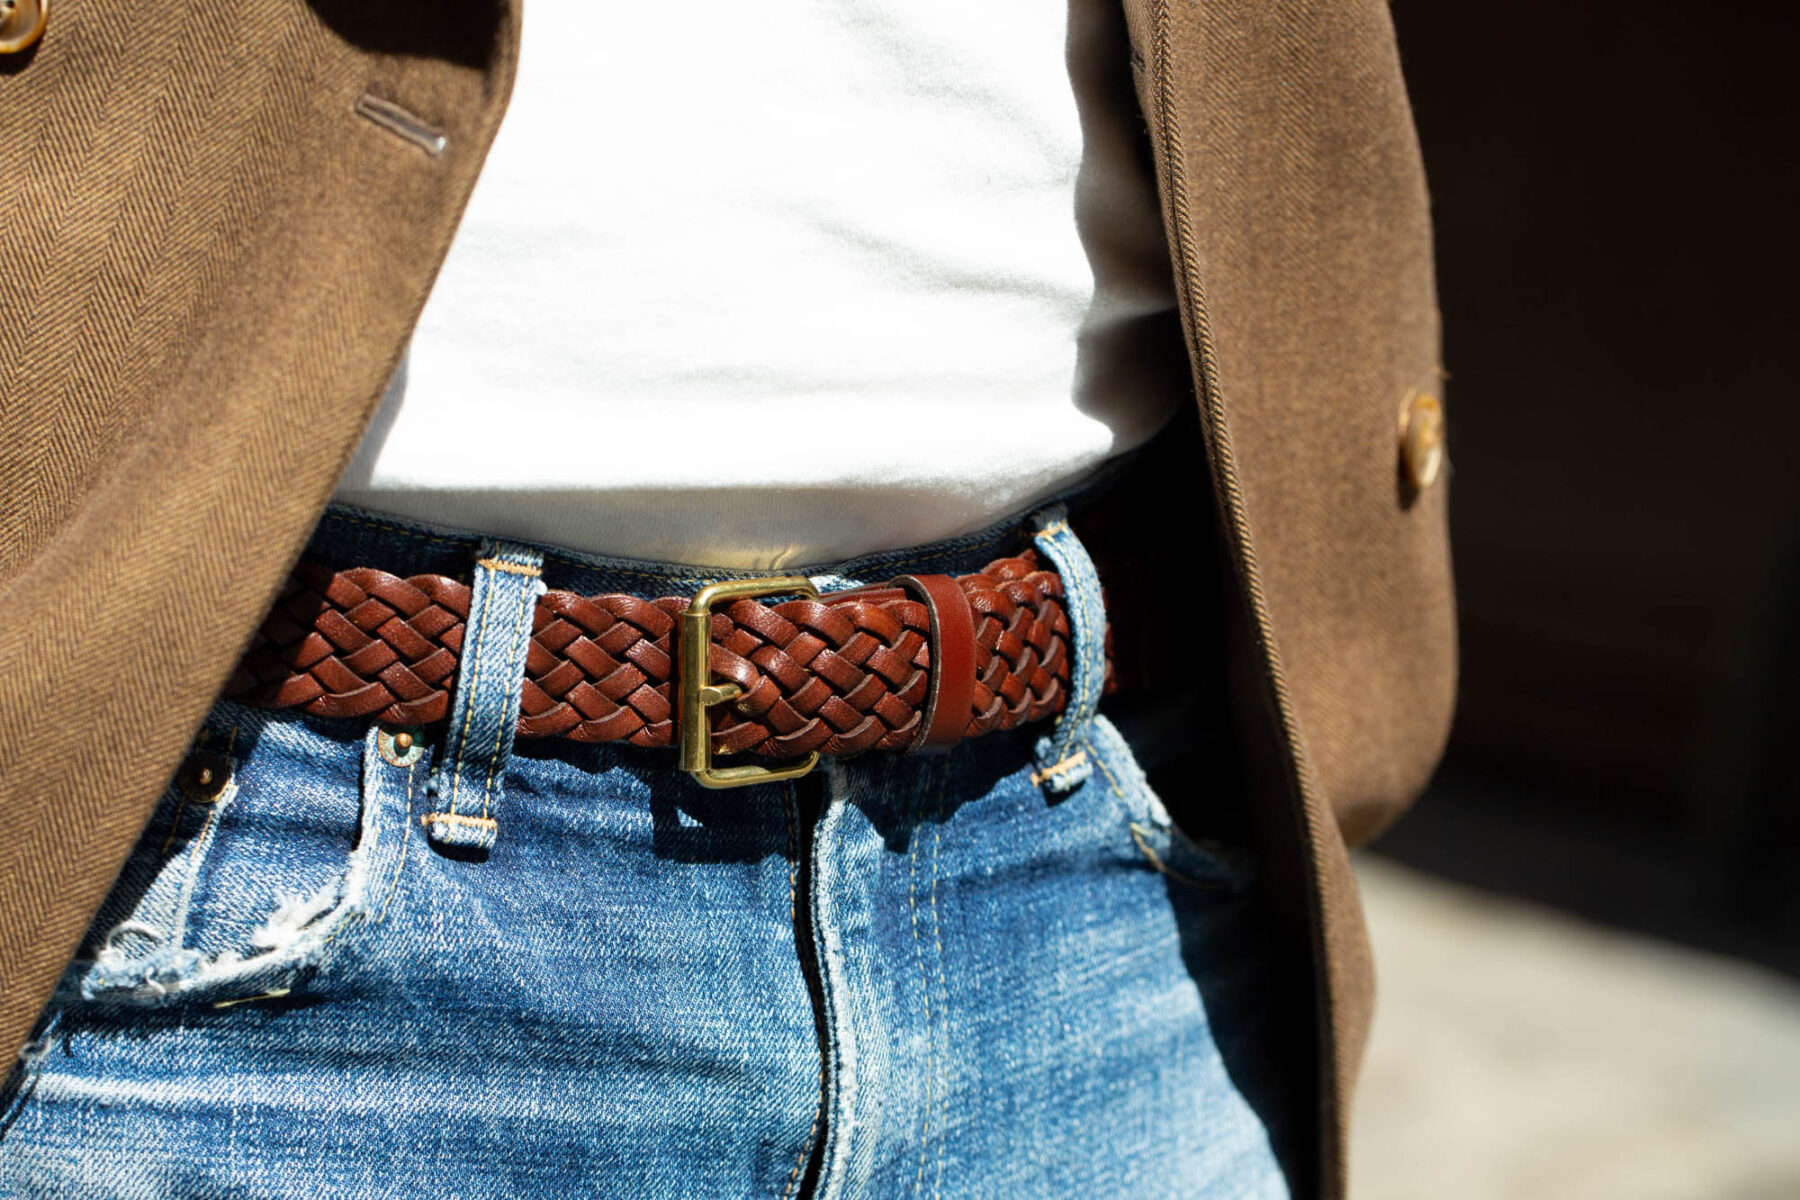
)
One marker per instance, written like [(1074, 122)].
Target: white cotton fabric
[(764, 285)]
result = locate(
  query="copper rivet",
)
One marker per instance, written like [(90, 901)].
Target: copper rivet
[(204, 777), (398, 747)]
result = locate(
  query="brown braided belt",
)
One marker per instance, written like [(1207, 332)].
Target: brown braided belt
[(837, 674)]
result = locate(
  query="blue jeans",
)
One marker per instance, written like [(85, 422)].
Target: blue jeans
[(339, 966)]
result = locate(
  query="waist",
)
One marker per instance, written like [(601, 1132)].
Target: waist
[(750, 483)]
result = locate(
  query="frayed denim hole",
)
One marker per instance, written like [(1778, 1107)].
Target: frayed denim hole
[(149, 900), (265, 940), (284, 842), (144, 919)]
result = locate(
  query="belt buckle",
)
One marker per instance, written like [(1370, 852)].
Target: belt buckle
[(699, 692)]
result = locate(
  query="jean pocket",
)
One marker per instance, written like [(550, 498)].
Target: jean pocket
[(1187, 861), (254, 870)]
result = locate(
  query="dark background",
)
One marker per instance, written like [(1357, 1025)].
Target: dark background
[(1615, 193)]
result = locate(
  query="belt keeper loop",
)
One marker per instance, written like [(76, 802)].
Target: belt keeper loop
[(951, 700)]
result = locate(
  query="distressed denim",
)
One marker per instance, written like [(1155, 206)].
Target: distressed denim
[(339, 966)]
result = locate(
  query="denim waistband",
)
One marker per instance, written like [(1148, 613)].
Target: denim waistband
[(353, 537)]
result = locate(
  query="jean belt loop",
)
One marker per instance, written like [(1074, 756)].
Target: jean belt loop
[(1061, 754), (484, 711)]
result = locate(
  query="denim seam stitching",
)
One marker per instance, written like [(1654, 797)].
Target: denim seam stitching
[(878, 559), (942, 808), (471, 699), (451, 818), (907, 558), (398, 530), (1138, 833), (521, 636), (1073, 761), (405, 841), (1055, 538), (549, 556), (841, 1081), (201, 846), (912, 903), (1111, 779), (174, 823), (788, 803), (510, 567), (373, 820), (182, 806), (184, 899), (793, 846)]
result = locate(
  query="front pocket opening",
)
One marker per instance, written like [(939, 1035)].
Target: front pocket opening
[(1154, 834), (207, 927), (292, 939)]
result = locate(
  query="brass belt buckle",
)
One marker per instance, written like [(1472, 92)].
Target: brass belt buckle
[(699, 692)]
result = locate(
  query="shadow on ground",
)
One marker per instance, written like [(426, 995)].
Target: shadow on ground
[(1597, 858)]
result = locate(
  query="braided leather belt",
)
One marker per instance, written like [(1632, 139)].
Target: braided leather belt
[(915, 665)]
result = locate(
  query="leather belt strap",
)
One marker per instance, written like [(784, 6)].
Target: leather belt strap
[(915, 665)]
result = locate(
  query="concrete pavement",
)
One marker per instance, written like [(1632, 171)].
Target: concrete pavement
[(1522, 1055)]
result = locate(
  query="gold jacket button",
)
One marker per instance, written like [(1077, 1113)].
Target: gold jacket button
[(1421, 440), (22, 24)]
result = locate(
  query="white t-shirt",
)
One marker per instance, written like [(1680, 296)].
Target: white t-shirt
[(763, 285)]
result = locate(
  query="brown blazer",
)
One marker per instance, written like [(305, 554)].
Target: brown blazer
[(210, 261)]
